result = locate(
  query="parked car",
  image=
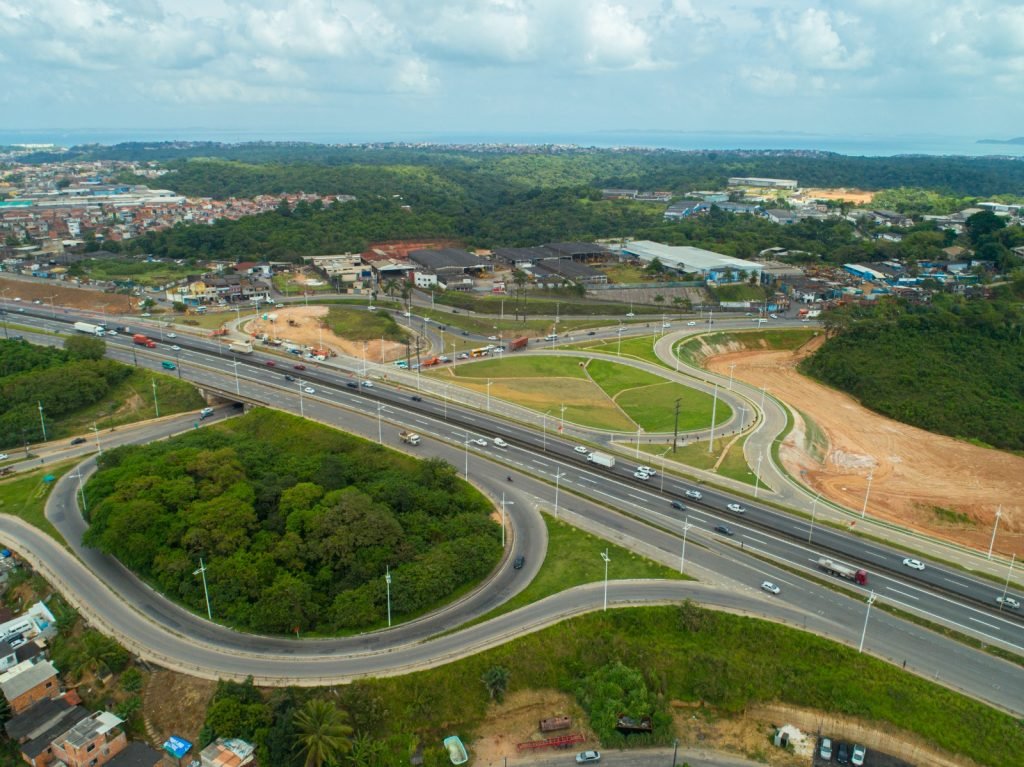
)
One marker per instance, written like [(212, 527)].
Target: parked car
[(825, 749), (679, 505), (859, 752), (78, 441), (518, 564), (724, 530), (736, 508), (695, 494), (585, 757), (913, 564), (770, 587), (843, 754)]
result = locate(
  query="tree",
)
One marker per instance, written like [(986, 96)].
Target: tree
[(323, 732), (495, 679), (85, 347), (982, 225)]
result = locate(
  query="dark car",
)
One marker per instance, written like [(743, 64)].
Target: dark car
[(271, 364), (679, 505), (417, 398), (724, 530), (352, 384), (520, 561), (465, 332), (591, 333), (288, 377), (78, 441), (843, 754), (299, 367)]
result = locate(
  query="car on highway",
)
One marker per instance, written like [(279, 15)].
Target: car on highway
[(288, 377), (270, 364), (368, 384), (519, 562), (176, 348), (145, 314), (690, 324), (499, 442), (646, 470), (465, 332), (172, 335), (309, 390), (406, 314), (591, 332), (371, 308), (770, 587), (641, 474), (581, 449), (479, 441), (17, 299), (206, 412), (462, 356), (666, 324), (724, 530), (774, 316), (913, 564), (298, 367), (737, 508), (695, 494), (679, 505), (857, 757), (351, 384), (825, 749), (492, 338), (37, 301), (78, 441), (111, 333), (416, 398), (630, 314), (586, 757), (1008, 602)]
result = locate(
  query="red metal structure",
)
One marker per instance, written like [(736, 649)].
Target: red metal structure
[(562, 741)]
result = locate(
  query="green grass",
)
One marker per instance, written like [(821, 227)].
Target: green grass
[(522, 367), (641, 348), (132, 401), (695, 454), (284, 284), (16, 329), (694, 350), (615, 378), (951, 517), (25, 497), (547, 304), (573, 558), (209, 320), (738, 292), (361, 325), (141, 272), (815, 441), (693, 655)]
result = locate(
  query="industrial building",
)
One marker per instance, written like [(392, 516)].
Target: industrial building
[(449, 261), (763, 183), (685, 259)]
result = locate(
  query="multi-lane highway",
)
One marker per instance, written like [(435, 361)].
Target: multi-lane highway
[(651, 521)]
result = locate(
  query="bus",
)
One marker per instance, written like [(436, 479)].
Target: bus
[(483, 351)]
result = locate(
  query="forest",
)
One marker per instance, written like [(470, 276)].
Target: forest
[(952, 366), (57, 381), (295, 522)]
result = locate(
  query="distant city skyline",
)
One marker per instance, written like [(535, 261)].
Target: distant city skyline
[(392, 70)]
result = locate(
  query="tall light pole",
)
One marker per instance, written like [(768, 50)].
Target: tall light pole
[(156, 403), (466, 442), (234, 364), (867, 492), (387, 585), (380, 433), (558, 476), (504, 503), (302, 408), (607, 559), (863, 633), (763, 390), (544, 432), (732, 368), (202, 571), (96, 431), (81, 491), (757, 476), (714, 414), (1006, 585), (42, 421), (663, 468), (446, 401), (4, 312), (489, 382), (638, 431), (686, 529), (991, 543), (619, 350), (814, 506)]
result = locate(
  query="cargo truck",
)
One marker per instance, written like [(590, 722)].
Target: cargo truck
[(843, 571), (409, 437), (518, 343), (88, 327), (242, 347), (601, 459), (142, 340)]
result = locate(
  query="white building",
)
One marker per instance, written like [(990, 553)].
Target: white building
[(689, 260)]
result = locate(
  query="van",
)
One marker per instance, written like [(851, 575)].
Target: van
[(551, 337), (167, 365)]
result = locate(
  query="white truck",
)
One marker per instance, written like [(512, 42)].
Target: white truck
[(90, 328), (241, 347), (409, 437), (601, 459)]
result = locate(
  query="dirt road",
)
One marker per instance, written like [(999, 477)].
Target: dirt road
[(937, 484)]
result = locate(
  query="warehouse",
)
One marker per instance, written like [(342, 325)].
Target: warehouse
[(449, 261), (712, 266)]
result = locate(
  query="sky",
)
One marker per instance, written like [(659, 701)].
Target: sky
[(392, 68)]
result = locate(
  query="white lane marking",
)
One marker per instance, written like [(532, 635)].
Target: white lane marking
[(637, 497), (539, 463), (755, 540), (698, 518), (591, 480), (983, 623), (878, 556), (903, 593)]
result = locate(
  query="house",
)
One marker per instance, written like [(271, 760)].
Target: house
[(779, 216), (8, 656), (347, 267), (424, 280), (137, 754), (28, 682), (37, 727), (92, 742), (685, 209), (227, 752)]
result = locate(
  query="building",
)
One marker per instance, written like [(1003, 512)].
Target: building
[(449, 261), (763, 183), (223, 289), (581, 274), (28, 682), (347, 267), (685, 209), (35, 729), (227, 752), (712, 266), (138, 754), (424, 280), (587, 252), (92, 742), (37, 621)]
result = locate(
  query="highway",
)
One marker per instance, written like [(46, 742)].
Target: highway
[(652, 524)]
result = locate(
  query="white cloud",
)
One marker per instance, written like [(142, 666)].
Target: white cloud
[(498, 31), (614, 40)]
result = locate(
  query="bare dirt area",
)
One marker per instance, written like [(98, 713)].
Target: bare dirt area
[(303, 325), (175, 704), (921, 480), (63, 295), (854, 196)]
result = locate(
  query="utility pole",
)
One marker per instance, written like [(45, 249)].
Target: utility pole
[(387, 583), (675, 432), (714, 413), (42, 421), (607, 559), (206, 592), (156, 403)]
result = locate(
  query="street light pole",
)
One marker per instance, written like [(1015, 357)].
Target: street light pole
[(380, 433), (544, 432), (991, 543), (446, 401), (206, 592), (81, 491), (714, 413), (96, 430), (466, 442), (814, 506), (558, 476), (757, 476), (1006, 585), (42, 421), (732, 368), (387, 584), (607, 559), (234, 364), (489, 382), (302, 408), (156, 403), (863, 633), (504, 503), (682, 556), (867, 492)]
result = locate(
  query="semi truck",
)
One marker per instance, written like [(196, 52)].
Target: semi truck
[(242, 347), (518, 343), (88, 327), (409, 437), (601, 459), (843, 571), (143, 340)]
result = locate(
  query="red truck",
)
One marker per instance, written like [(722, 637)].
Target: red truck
[(518, 343), (142, 340)]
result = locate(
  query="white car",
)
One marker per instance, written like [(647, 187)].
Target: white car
[(737, 508), (172, 335), (774, 316), (309, 390), (666, 324), (825, 749), (4, 456), (406, 314), (695, 494), (17, 299), (111, 333), (368, 384), (581, 449), (646, 470), (499, 442), (630, 314), (770, 587), (492, 338), (462, 356), (857, 757), (584, 757), (176, 348), (691, 323), (641, 475), (371, 308), (913, 564), (479, 441), (1003, 601)]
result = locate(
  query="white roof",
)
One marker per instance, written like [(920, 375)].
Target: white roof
[(688, 258)]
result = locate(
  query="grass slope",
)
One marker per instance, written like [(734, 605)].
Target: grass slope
[(25, 497)]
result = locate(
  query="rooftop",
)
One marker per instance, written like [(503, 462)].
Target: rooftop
[(23, 677), (687, 257), (95, 725)]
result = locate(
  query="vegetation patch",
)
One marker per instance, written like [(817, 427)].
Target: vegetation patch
[(522, 367), (697, 349), (952, 517), (25, 497), (615, 378), (653, 407), (361, 325), (638, 347), (296, 523)]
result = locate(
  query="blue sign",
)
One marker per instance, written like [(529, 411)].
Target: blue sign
[(177, 747)]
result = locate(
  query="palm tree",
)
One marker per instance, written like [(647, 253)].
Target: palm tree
[(495, 679), (323, 732), (390, 287)]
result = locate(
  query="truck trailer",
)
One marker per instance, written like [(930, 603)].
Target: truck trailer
[(518, 343), (843, 571), (143, 340), (242, 347), (88, 327), (409, 437), (601, 459)]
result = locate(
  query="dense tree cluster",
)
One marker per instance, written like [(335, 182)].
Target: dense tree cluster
[(62, 381), (296, 524), (954, 367)]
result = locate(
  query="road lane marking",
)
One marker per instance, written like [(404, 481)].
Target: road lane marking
[(878, 556), (902, 593), (983, 623), (755, 540)]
